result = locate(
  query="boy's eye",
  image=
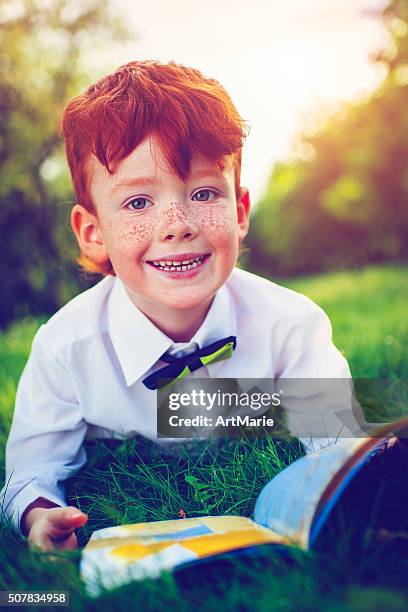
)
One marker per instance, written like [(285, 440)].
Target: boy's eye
[(204, 195), (138, 204)]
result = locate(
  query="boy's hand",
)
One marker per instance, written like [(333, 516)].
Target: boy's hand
[(53, 528)]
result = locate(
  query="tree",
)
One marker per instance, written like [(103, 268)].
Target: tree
[(42, 64), (346, 205)]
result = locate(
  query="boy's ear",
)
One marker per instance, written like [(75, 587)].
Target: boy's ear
[(243, 208), (85, 226)]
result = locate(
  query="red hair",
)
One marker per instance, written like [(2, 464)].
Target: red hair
[(184, 111)]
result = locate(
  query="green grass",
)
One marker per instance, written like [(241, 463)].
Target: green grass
[(368, 312)]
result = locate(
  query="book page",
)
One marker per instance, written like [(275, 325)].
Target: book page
[(120, 554), (287, 503), (309, 487)]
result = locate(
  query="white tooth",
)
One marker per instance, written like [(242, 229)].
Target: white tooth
[(194, 264), (173, 268), (168, 263), (184, 268)]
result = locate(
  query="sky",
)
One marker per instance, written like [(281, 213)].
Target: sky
[(285, 63)]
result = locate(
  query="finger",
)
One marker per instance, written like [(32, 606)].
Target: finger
[(46, 543), (65, 520), (69, 543), (40, 542)]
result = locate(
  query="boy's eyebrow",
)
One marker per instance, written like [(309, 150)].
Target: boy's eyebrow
[(133, 182), (149, 180)]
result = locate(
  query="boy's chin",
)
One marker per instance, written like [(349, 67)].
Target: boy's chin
[(189, 303)]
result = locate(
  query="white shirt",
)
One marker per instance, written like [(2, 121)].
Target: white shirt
[(84, 374)]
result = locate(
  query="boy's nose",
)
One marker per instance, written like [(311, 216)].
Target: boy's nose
[(177, 224)]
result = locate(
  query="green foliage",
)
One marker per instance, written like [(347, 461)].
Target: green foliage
[(43, 51), (346, 204), (368, 312)]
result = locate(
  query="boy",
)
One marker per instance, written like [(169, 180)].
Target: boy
[(155, 154)]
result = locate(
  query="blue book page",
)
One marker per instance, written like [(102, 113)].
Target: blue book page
[(287, 504)]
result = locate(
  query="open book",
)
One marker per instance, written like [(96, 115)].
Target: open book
[(294, 509)]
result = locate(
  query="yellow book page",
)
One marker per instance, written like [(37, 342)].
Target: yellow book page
[(222, 533), (218, 543), (134, 551)]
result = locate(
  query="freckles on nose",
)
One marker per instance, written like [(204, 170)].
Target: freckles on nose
[(175, 212)]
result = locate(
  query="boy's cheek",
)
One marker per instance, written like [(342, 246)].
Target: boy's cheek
[(122, 234), (140, 231), (219, 223), (226, 245), (227, 236)]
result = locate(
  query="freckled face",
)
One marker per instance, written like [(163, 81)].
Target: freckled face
[(172, 243)]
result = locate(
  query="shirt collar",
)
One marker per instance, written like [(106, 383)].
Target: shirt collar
[(139, 344)]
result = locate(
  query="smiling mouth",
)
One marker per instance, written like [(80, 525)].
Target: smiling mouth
[(179, 266)]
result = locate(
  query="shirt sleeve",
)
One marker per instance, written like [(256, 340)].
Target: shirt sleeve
[(45, 444), (316, 382)]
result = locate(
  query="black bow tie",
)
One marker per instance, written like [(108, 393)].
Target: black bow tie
[(180, 367)]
